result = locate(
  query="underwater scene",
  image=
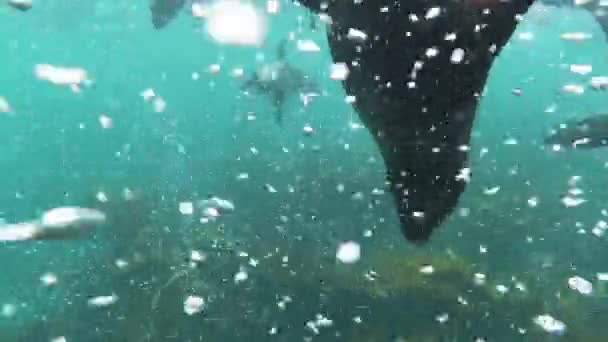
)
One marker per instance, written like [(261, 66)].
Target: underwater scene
[(278, 170)]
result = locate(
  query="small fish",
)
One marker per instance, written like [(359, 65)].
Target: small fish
[(279, 80), (55, 224), (22, 5), (588, 133)]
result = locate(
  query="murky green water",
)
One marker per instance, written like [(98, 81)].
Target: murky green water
[(270, 270)]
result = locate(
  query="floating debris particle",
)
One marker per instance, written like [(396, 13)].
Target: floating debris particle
[(4, 106), (432, 13), (550, 324), (569, 201), (442, 318), (575, 89), (219, 204), (533, 202), (103, 301), (121, 263), (186, 208), (502, 289), (214, 68), (340, 187), (575, 36), (48, 279), (308, 46), (211, 212), (457, 56), (148, 94), (194, 305), (236, 22), (599, 82), (159, 105), (378, 192), (551, 108), (428, 269), (581, 285), (491, 191), (308, 130), (581, 69), (464, 175), (479, 278), (8, 310), (102, 197), (348, 252), (238, 72), (339, 71), (431, 52), (599, 229), (282, 304), (527, 36), (199, 10), (270, 188), (521, 286), (197, 256), (128, 194), (272, 6), (357, 196), (323, 321), (60, 75), (59, 339), (371, 275), (418, 214), (240, 276), (22, 5), (313, 327), (105, 121), (464, 212), (319, 322), (602, 276), (573, 181), (356, 35)]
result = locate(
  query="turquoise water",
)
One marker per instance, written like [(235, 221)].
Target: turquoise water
[(55, 153)]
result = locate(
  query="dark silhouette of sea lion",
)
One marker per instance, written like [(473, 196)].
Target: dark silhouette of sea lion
[(279, 80), (590, 132), (417, 76), (163, 11)]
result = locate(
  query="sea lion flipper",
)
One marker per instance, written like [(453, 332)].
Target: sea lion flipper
[(164, 11), (417, 93)]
